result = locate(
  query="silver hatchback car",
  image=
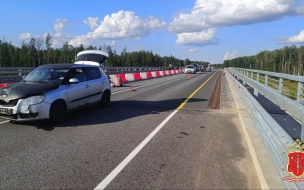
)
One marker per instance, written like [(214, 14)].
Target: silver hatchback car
[(52, 90)]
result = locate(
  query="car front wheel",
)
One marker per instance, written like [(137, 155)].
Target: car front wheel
[(58, 112), (105, 99)]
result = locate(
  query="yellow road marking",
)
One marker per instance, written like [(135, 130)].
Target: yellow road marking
[(193, 93)]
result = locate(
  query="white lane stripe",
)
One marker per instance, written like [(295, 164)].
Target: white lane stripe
[(4, 121), (144, 85), (125, 162)]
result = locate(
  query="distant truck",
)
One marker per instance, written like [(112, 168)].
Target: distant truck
[(92, 57)]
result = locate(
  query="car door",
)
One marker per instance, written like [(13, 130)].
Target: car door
[(78, 93), (95, 80)]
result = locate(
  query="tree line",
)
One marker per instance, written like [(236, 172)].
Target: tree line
[(288, 60), (40, 51)]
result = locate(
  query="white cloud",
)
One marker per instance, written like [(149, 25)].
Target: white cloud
[(125, 24), (91, 22), (120, 25), (203, 37), (230, 54), (83, 39), (25, 36), (193, 50), (215, 13), (59, 25), (297, 39)]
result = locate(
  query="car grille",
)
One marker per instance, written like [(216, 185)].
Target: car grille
[(11, 103)]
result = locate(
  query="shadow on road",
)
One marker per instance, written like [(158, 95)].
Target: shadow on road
[(116, 112)]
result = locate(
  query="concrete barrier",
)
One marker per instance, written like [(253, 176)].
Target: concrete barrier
[(149, 75), (130, 77), (154, 74), (143, 75), (137, 76)]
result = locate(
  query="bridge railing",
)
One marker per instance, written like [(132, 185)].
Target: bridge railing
[(275, 138)]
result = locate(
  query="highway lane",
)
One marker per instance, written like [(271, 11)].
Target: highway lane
[(196, 148)]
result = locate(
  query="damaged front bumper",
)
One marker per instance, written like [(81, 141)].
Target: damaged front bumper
[(21, 112)]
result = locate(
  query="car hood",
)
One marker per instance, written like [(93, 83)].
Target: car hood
[(24, 90)]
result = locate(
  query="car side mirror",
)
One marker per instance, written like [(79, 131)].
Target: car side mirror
[(74, 81)]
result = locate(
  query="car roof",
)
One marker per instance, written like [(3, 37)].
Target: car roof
[(66, 65)]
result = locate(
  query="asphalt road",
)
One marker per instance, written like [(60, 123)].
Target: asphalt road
[(189, 148)]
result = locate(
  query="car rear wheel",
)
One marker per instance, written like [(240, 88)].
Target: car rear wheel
[(105, 99), (58, 112)]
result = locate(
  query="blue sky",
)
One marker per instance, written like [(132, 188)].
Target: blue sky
[(200, 30)]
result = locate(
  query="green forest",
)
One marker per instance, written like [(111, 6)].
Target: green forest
[(288, 60), (40, 51)]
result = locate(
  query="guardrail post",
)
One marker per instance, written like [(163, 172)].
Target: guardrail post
[(266, 80), (251, 76), (256, 92), (247, 74), (281, 85), (299, 92), (258, 77), (20, 72)]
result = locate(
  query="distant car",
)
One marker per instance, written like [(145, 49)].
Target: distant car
[(52, 90), (203, 68), (196, 67), (190, 69)]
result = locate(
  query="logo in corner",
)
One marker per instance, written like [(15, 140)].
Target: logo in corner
[(295, 164)]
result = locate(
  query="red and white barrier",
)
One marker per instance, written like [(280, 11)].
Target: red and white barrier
[(129, 77), (4, 84)]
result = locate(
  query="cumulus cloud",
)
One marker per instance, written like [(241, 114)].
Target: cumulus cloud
[(215, 13), (59, 25), (83, 39), (120, 25), (125, 24), (197, 38), (25, 36), (92, 22), (208, 14), (297, 39), (230, 54)]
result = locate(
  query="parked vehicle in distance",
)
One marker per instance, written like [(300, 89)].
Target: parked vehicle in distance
[(52, 90), (190, 69), (203, 68), (196, 67)]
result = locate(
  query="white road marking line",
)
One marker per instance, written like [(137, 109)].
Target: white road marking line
[(4, 121), (144, 85), (123, 164)]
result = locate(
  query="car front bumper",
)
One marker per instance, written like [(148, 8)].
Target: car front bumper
[(26, 113)]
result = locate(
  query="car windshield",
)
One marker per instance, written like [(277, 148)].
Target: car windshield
[(189, 66), (46, 75), (92, 57)]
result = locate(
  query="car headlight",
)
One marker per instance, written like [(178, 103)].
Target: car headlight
[(32, 100)]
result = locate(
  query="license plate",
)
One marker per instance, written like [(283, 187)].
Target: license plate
[(6, 111)]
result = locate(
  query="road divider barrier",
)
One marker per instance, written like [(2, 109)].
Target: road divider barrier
[(119, 79), (130, 77)]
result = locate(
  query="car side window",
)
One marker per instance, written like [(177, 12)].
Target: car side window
[(92, 73), (79, 74)]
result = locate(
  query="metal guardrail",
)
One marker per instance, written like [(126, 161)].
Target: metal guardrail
[(275, 139), (14, 74), (294, 108), (277, 81)]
